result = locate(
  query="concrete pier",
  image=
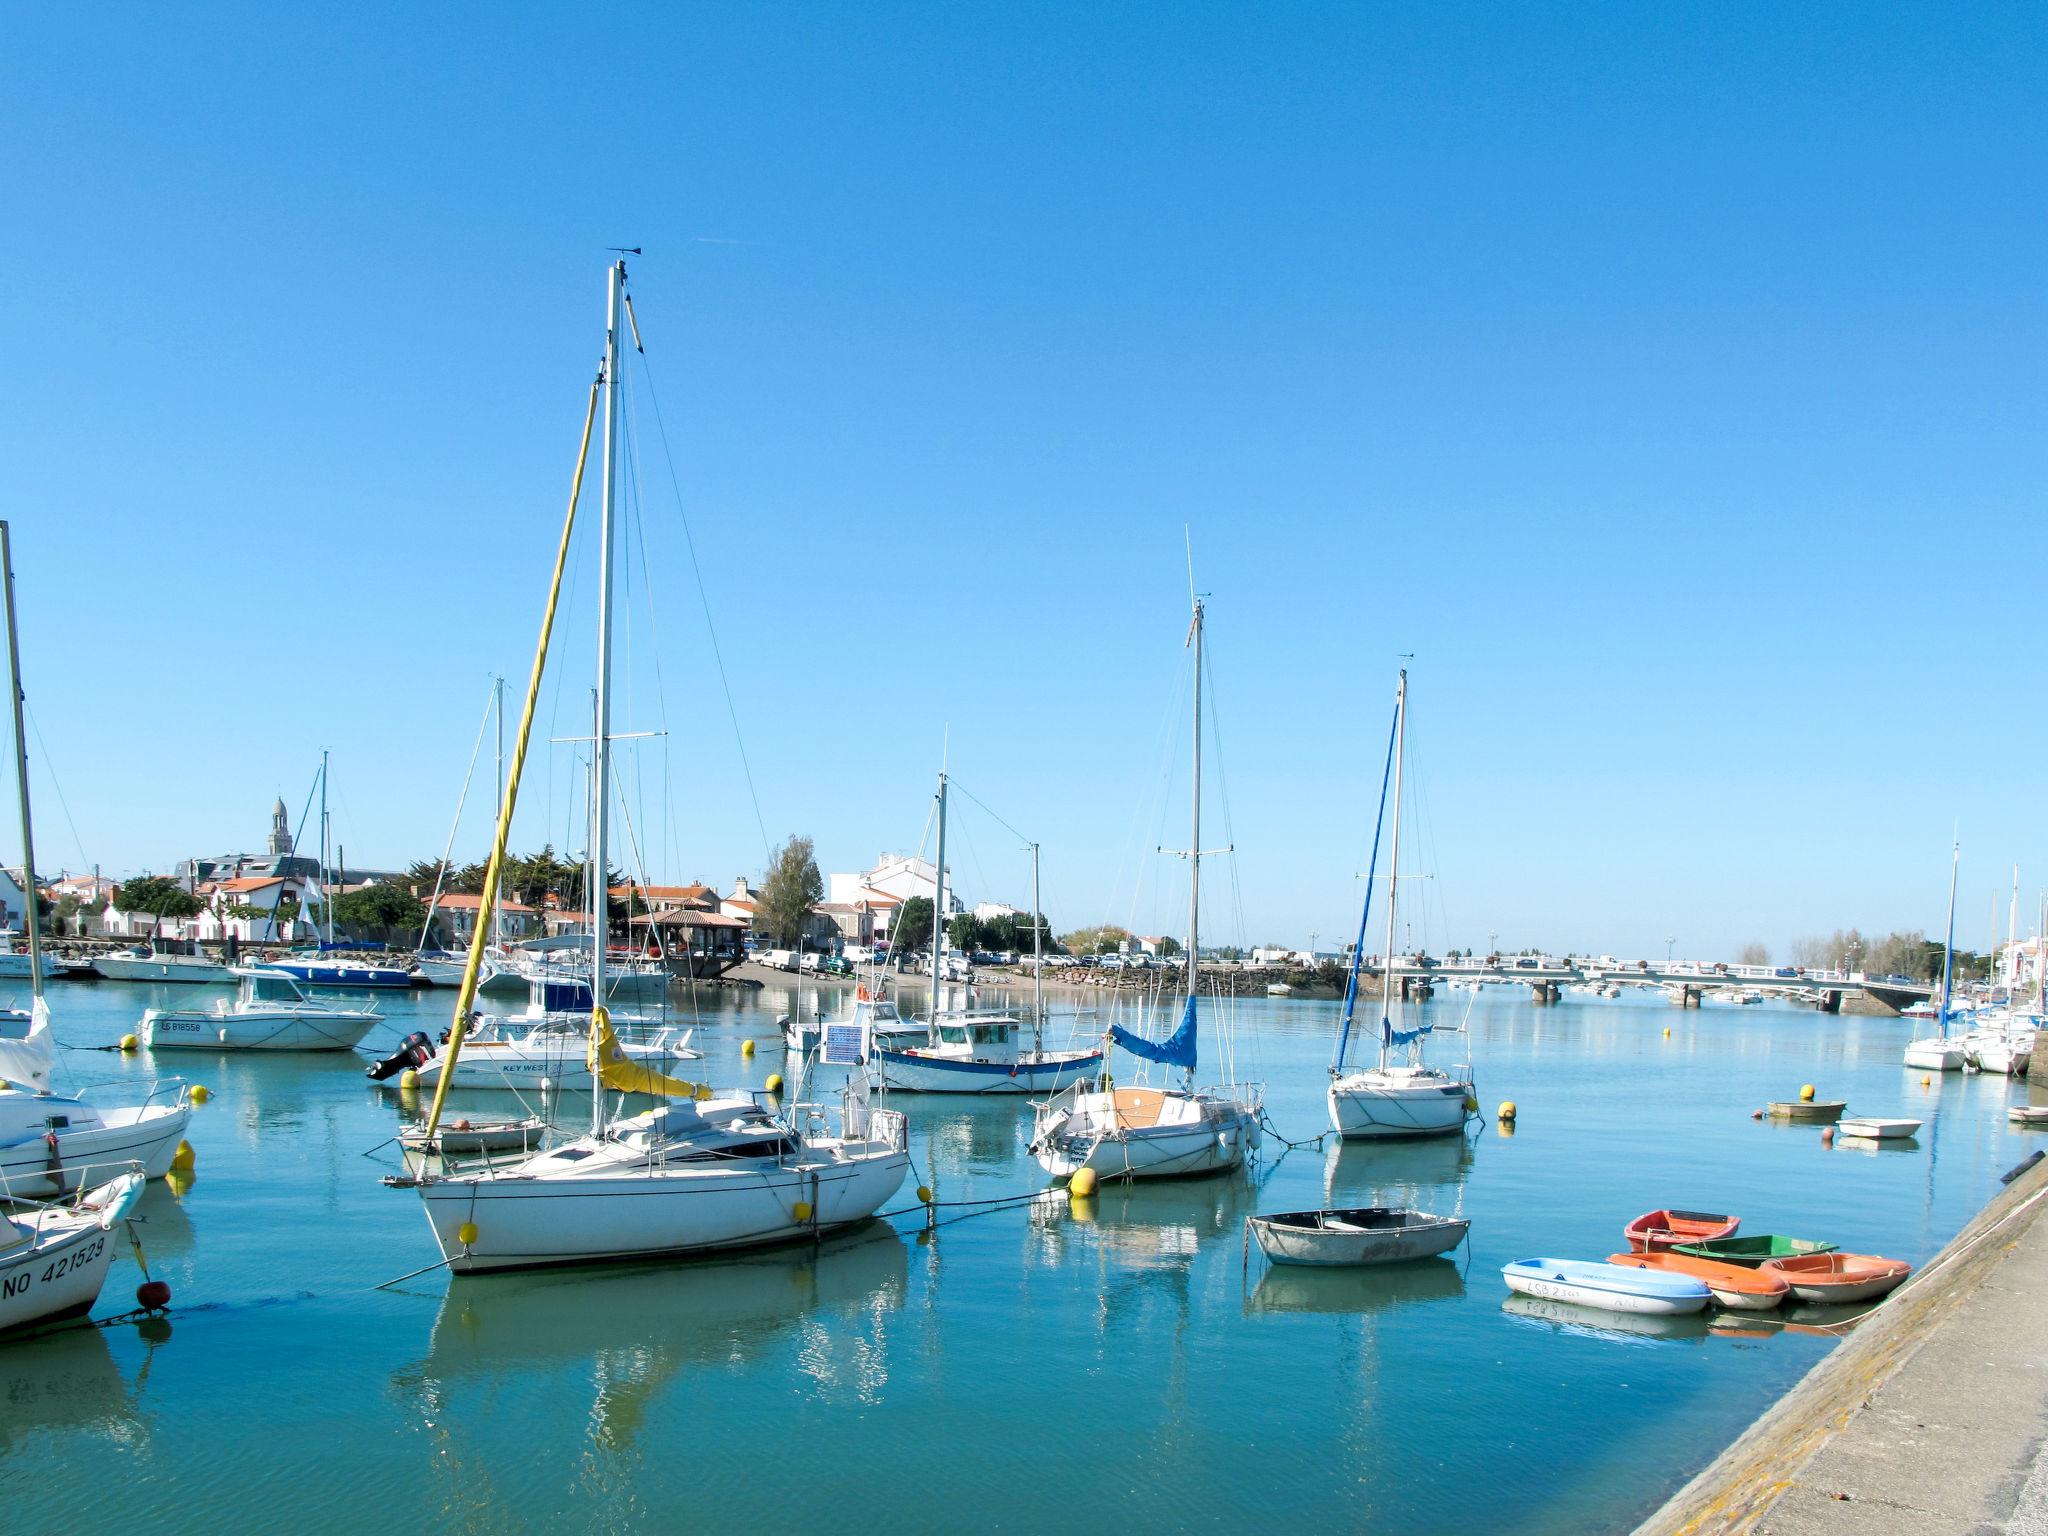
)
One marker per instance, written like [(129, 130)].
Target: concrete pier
[(1932, 1416)]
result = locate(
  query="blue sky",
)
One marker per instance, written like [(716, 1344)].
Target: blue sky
[(1667, 381)]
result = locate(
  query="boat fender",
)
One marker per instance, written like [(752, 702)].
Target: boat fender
[(2020, 1167), (415, 1050)]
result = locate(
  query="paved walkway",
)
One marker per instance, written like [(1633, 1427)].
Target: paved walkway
[(1930, 1418)]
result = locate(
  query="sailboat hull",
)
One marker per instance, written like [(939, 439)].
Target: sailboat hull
[(1142, 1133), (1368, 1106), (657, 1212), (904, 1072), (96, 1146), (1935, 1055)]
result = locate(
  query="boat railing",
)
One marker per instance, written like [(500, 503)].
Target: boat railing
[(170, 1089)]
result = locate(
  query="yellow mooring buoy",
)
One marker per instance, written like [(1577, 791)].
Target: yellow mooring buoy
[(1806, 1093), (1507, 1109), (200, 1093), (1082, 1184), (129, 1042)]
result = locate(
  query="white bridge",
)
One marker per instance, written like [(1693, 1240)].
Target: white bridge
[(1545, 978)]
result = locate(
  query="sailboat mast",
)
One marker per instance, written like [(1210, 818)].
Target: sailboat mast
[(1195, 840), (600, 818), (2012, 926), (498, 800), (31, 908), (1037, 961), (326, 885), (1393, 868), (1948, 947), (939, 902)]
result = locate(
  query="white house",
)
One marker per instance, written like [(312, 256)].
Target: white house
[(2019, 965), (896, 875), (264, 894), (13, 903)]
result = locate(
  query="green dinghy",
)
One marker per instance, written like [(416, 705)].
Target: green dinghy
[(1752, 1250)]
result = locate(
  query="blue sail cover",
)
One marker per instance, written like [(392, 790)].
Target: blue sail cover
[(1395, 1036), (1176, 1050)]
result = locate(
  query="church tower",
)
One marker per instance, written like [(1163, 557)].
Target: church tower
[(280, 831)]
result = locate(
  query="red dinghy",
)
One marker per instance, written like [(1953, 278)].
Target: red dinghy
[(1834, 1278), (1657, 1231)]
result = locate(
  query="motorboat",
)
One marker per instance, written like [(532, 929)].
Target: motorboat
[(873, 1018), (1401, 1096), (1608, 1287), (980, 1053), (544, 1048), (1834, 1279), (1658, 1231), (17, 964), (144, 962), (1753, 1250), (567, 957), (1936, 1053), (343, 974), (1278, 989), (1359, 1235), (271, 1012), (1876, 1128), (1736, 1286), (54, 1258)]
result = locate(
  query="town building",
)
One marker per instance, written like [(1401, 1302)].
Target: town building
[(455, 916)]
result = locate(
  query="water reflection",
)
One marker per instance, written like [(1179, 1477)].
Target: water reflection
[(66, 1380), (1354, 1291), (1395, 1172), (636, 1329), (1564, 1317)]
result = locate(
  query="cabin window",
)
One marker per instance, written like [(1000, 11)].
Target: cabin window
[(991, 1034), (954, 1034)]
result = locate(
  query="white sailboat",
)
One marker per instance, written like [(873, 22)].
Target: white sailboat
[(980, 1051), (1142, 1132), (687, 1177), (1401, 1096), (54, 1258), (54, 1144), (1939, 1052)]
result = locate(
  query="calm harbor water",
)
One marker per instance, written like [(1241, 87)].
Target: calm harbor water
[(1011, 1368)]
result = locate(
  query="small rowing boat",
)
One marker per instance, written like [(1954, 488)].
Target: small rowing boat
[(1754, 1250), (1609, 1287), (1836, 1278), (1877, 1129), (2035, 1115), (1367, 1235), (1735, 1286), (1657, 1231), (1818, 1111)]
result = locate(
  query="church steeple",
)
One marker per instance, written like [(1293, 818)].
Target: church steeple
[(280, 830)]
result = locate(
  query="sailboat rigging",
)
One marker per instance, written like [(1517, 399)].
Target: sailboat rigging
[(1398, 1097), (1140, 1132), (697, 1173)]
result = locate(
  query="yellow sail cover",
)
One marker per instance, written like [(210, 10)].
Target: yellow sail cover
[(610, 1065)]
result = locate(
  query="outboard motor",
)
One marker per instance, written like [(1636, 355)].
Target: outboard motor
[(415, 1050)]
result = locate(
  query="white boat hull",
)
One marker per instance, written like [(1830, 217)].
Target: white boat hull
[(448, 973), (1370, 1106), (524, 1223), (87, 1154), (183, 969), (1603, 1300), (166, 1029), (902, 1072), (1935, 1055), (58, 1273), (1215, 1139), (15, 967)]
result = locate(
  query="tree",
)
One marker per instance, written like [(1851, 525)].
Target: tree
[(1169, 946), (791, 889), (424, 874), (964, 931), (1102, 939), (158, 896), (1753, 953), (379, 910), (913, 928)]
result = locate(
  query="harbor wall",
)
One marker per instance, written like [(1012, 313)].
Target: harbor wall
[(1929, 1417)]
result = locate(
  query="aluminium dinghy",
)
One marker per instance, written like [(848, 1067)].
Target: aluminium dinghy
[(1361, 1235)]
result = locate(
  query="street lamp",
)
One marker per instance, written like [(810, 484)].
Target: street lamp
[(1669, 946)]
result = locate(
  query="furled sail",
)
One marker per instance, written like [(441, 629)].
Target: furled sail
[(1176, 1050), (611, 1066), (27, 1057)]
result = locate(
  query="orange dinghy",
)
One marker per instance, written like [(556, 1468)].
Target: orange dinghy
[(1734, 1286), (1655, 1231), (1834, 1278)]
